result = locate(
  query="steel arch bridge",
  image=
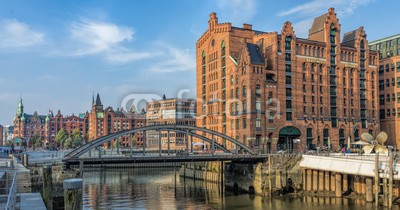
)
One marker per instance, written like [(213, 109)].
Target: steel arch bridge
[(186, 129)]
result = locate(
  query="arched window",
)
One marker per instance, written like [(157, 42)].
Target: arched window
[(326, 136), (258, 89), (244, 90), (309, 138), (223, 48), (341, 138)]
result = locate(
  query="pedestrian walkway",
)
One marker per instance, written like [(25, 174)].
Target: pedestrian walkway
[(31, 201)]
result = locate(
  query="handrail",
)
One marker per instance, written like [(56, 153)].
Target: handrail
[(12, 195)]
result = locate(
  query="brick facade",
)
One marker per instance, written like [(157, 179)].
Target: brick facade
[(389, 86), (267, 89)]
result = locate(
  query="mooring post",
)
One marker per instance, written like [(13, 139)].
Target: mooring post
[(212, 145), (81, 168), (346, 183), (26, 160), (327, 180), (159, 142), (390, 179), (144, 143), (269, 175), (191, 144), (369, 194), (309, 180), (385, 192), (376, 179), (315, 180), (169, 147), (48, 186), (222, 178), (338, 191), (131, 145), (187, 142), (72, 194), (321, 177)]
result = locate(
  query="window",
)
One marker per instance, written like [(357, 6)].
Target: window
[(237, 124), (244, 106), (304, 77), (289, 116), (244, 124), (398, 82), (288, 80), (244, 90), (258, 123), (304, 88), (258, 90), (258, 105)]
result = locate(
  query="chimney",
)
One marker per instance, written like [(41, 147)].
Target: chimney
[(247, 26)]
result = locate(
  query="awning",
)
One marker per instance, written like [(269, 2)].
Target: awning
[(289, 131)]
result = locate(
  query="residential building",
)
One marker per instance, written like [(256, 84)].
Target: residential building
[(389, 86), (274, 90)]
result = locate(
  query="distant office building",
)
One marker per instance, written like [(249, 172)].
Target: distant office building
[(271, 89), (169, 111), (389, 86)]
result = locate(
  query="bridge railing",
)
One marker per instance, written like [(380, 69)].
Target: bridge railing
[(12, 195)]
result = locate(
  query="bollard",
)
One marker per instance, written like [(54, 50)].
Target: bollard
[(72, 194), (26, 160), (47, 186)]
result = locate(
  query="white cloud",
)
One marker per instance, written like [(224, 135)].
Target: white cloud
[(175, 60), (240, 11), (106, 39), (315, 7), (16, 34), (308, 11)]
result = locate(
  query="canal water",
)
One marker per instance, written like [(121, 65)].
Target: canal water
[(155, 189)]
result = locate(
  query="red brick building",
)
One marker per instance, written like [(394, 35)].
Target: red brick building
[(276, 90), (99, 122), (106, 121), (389, 86)]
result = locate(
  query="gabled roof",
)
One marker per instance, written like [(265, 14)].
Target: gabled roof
[(255, 54), (318, 24), (349, 38)]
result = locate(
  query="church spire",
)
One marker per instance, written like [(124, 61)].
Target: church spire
[(98, 101), (92, 98)]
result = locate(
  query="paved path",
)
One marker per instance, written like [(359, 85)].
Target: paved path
[(31, 201)]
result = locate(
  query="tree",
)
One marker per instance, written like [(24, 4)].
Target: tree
[(61, 137), (36, 141), (68, 143), (77, 138)]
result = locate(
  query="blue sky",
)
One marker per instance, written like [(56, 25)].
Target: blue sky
[(56, 53)]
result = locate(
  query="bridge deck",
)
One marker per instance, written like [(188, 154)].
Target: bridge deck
[(164, 159)]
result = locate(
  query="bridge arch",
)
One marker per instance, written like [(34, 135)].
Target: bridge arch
[(167, 127)]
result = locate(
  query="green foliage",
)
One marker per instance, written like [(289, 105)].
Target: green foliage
[(68, 143), (36, 141), (77, 138), (61, 137)]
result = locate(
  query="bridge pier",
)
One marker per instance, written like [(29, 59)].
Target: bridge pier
[(345, 183)]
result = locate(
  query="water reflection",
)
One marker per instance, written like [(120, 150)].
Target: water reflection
[(155, 189)]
